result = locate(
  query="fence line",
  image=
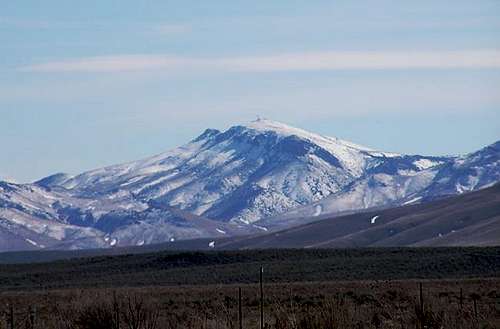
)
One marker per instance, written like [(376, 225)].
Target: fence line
[(28, 319)]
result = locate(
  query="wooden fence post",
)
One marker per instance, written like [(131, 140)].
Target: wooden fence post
[(421, 298), (11, 316), (422, 320), (240, 313), (32, 316), (261, 299), (461, 299), (116, 309)]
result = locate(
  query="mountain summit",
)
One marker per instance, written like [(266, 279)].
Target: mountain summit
[(245, 179), (245, 173)]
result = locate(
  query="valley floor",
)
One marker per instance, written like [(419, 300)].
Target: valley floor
[(352, 304), (242, 266), (328, 288)]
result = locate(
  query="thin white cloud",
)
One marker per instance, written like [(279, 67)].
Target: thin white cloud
[(110, 64), (326, 60)]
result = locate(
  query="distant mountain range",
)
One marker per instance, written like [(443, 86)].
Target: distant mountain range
[(250, 179)]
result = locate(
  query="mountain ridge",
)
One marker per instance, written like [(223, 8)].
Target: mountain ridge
[(451, 221), (256, 177)]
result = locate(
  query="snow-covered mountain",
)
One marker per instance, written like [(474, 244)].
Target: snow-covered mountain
[(467, 173), (238, 181), (404, 180), (245, 173), (35, 217), (30, 218)]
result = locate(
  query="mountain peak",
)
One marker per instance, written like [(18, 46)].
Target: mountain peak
[(327, 142), (207, 134), (262, 124)]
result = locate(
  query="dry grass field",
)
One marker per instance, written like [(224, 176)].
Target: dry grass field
[(306, 289), (354, 304)]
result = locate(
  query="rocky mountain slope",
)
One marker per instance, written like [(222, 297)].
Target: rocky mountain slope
[(252, 178), (471, 219)]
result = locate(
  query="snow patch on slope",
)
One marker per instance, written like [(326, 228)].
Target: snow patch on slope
[(426, 163)]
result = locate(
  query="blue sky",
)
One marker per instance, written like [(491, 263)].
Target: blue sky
[(87, 84)]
